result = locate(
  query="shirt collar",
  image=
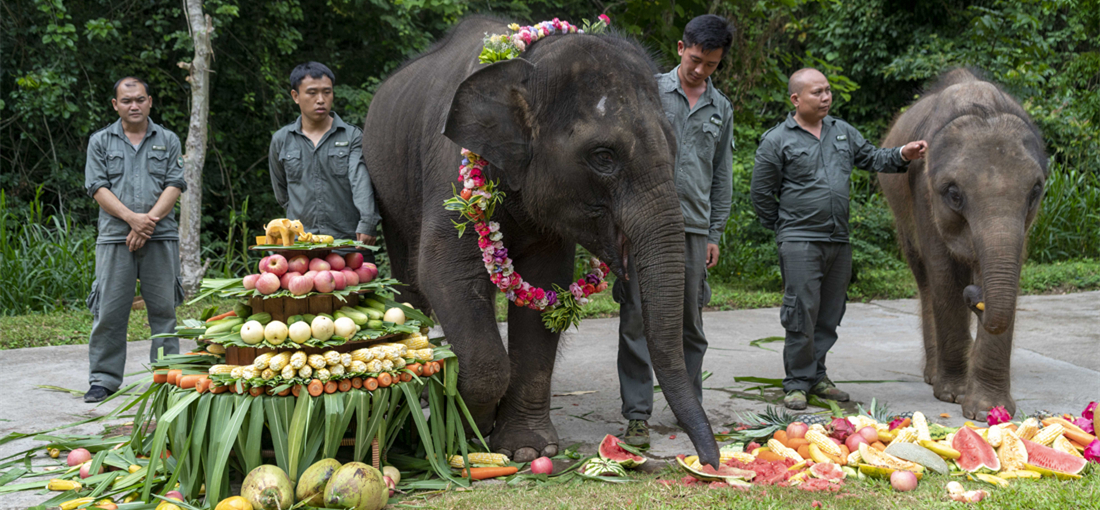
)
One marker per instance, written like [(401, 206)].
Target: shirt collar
[(337, 123), (670, 82), (150, 129), (793, 124)]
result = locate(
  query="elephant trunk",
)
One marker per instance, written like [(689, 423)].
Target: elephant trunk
[(654, 226), (1000, 255)]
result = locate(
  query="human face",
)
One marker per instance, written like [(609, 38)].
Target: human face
[(815, 99), (314, 97), (696, 65), (132, 102)]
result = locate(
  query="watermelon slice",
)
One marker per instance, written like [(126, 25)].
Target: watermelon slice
[(974, 452), (610, 450), (827, 471), (1054, 460)]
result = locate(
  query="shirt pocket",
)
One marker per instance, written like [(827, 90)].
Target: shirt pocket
[(338, 162), (158, 166), (800, 165), (843, 156), (708, 141), (292, 164), (116, 164)]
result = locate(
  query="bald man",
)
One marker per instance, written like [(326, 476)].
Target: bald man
[(800, 190)]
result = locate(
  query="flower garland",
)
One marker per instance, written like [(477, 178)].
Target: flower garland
[(479, 197)]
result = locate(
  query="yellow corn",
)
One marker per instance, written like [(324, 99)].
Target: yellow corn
[(236, 372), (400, 350), (288, 372), (423, 354), (747, 458), (1047, 434), (783, 450), (214, 348), (58, 484), (279, 361), (332, 357), (363, 355), (387, 365), (820, 428), (995, 435), (298, 360), (374, 366), (906, 435), (1063, 445), (920, 423), (305, 372), (317, 361), (1028, 429), (336, 370), (221, 369), (345, 360), (479, 458), (268, 374), (249, 373), (859, 421), (73, 503), (854, 459), (822, 441), (323, 374), (399, 363), (262, 360), (358, 367), (416, 341)]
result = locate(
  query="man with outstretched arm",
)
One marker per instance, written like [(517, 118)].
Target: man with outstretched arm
[(800, 190)]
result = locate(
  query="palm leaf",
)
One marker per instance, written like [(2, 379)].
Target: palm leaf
[(221, 445), (297, 433)]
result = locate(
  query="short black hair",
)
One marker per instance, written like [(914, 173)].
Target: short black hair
[(135, 78), (312, 69), (711, 32)]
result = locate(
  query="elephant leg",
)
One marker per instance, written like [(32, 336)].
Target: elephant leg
[(523, 428), (403, 265), (990, 375), (951, 327), (928, 325)]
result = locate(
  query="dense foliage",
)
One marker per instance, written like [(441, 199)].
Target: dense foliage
[(60, 59)]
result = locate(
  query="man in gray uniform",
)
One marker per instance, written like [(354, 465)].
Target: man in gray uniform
[(702, 118), (135, 172), (800, 190), (317, 167)]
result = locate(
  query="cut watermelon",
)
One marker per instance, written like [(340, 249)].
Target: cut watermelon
[(827, 471), (1054, 460), (610, 450), (975, 453)]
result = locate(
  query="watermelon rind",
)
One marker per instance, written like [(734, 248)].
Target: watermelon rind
[(1053, 460), (1052, 473), (610, 450), (737, 479), (883, 472), (976, 454), (827, 471)]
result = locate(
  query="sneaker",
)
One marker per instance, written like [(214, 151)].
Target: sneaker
[(97, 394), (795, 400), (637, 433), (827, 390)]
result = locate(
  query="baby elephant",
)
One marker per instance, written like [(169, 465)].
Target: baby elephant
[(962, 216)]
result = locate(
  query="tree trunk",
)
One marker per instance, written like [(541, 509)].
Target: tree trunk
[(191, 266)]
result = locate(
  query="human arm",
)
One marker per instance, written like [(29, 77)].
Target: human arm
[(886, 160), (362, 193), (767, 176), (142, 224), (278, 173)]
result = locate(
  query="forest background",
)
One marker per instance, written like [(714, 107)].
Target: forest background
[(59, 60)]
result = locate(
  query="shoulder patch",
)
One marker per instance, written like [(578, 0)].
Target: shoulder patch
[(179, 161)]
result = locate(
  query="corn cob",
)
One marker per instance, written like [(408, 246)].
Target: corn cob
[(345, 360), (479, 458), (332, 358), (399, 363), (357, 367), (58, 484), (781, 449), (214, 348), (822, 441), (854, 458), (416, 342), (268, 374), (221, 369), (363, 355), (336, 370), (819, 428), (747, 458), (1047, 434), (279, 361), (1028, 428), (298, 360), (323, 374), (236, 372), (317, 361), (1063, 445), (387, 365), (423, 354), (374, 366), (400, 349), (249, 373), (305, 372), (262, 360), (920, 423), (906, 435), (859, 421), (995, 435), (288, 372)]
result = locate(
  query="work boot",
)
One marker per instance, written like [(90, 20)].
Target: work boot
[(97, 394), (637, 433), (827, 390), (795, 399)]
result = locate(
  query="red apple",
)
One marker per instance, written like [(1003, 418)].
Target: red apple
[(85, 469), (78, 457), (319, 265), (250, 281), (353, 260), (797, 430), (338, 280), (301, 285), (176, 495), (284, 282), (310, 274), (298, 264), (350, 277), (277, 264), (854, 441), (373, 269), (336, 261), (323, 282), (268, 283), (365, 276), (263, 264)]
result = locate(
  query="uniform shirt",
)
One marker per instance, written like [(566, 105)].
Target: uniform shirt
[(704, 158), (810, 177), (327, 186), (136, 175)]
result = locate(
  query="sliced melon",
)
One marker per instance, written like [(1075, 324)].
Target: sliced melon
[(883, 472), (990, 479), (610, 450), (1050, 472), (729, 475), (916, 453), (1054, 460)]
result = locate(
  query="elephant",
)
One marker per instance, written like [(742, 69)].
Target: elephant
[(962, 216), (576, 136)]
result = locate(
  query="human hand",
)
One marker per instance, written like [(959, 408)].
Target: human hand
[(365, 239), (914, 150), (712, 255), (135, 241), (143, 224)]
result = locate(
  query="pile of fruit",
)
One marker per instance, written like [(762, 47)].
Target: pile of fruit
[(301, 275), (325, 484)]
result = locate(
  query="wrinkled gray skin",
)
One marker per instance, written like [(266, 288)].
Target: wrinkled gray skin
[(575, 132), (962, 215)]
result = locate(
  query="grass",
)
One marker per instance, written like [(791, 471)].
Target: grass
[(855, 495)]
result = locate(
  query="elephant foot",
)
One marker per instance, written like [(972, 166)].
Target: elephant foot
[(929, 374), (978, 402), (949, 390), (524, 440)]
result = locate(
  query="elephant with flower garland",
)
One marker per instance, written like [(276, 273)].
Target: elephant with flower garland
[(574, 132)]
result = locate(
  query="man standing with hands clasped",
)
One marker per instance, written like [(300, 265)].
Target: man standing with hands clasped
[(135, 172), (800, 190)]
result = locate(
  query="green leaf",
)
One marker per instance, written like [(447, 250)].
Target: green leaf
[(221, 445), (297, 434)]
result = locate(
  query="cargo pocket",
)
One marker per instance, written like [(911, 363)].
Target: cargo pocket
[(790, 315), (93, 300), (292, 164), (179, 292), (339, 160)]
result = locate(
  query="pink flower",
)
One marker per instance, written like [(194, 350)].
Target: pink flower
[(1085, 424), (484, 243), (998, 415), (1089, 409), (1092, 451), (605, 19)]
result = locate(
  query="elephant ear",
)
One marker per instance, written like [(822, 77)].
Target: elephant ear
[(490, 115)]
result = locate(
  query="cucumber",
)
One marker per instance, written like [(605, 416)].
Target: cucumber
[(371, 313), (243, 310), (294, 318), (373, 303), (237, 328), (262, 318), (359, 318), (375, 324), (224, 327), (308, 317)]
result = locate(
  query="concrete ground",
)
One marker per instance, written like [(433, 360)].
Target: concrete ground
[(1055, 367)]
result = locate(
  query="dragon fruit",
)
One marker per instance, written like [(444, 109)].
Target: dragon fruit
[(1089, 409), (1092, 451), (1085, 424), (841, 428), (998, 415), (896, 423)]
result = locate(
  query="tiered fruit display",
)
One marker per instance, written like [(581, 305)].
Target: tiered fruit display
[(301, 275)]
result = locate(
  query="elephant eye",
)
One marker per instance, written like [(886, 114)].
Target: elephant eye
[(953, 197), (1033, 197), (603, 160)]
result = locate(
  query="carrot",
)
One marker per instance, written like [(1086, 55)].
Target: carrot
[(483, 473), (203, 384), (344, 385), (796, 442), (331, 386), (316, 388), (416, 368), (804, 451), (770, 456), (256, 391), (230, 313), (188, 381), (405, 377), (370, 384), (296, 390), (356, 382), (284, 392), (218, 389), (905, 423), (385, 379), (436, 367), (173, 375), (1072, 431), (160, 376), (879, 446), (781, 436)]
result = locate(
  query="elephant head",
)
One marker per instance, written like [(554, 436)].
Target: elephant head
[(575, 131), (987, 171)]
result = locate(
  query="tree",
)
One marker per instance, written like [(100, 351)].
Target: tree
[(191, 267)]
